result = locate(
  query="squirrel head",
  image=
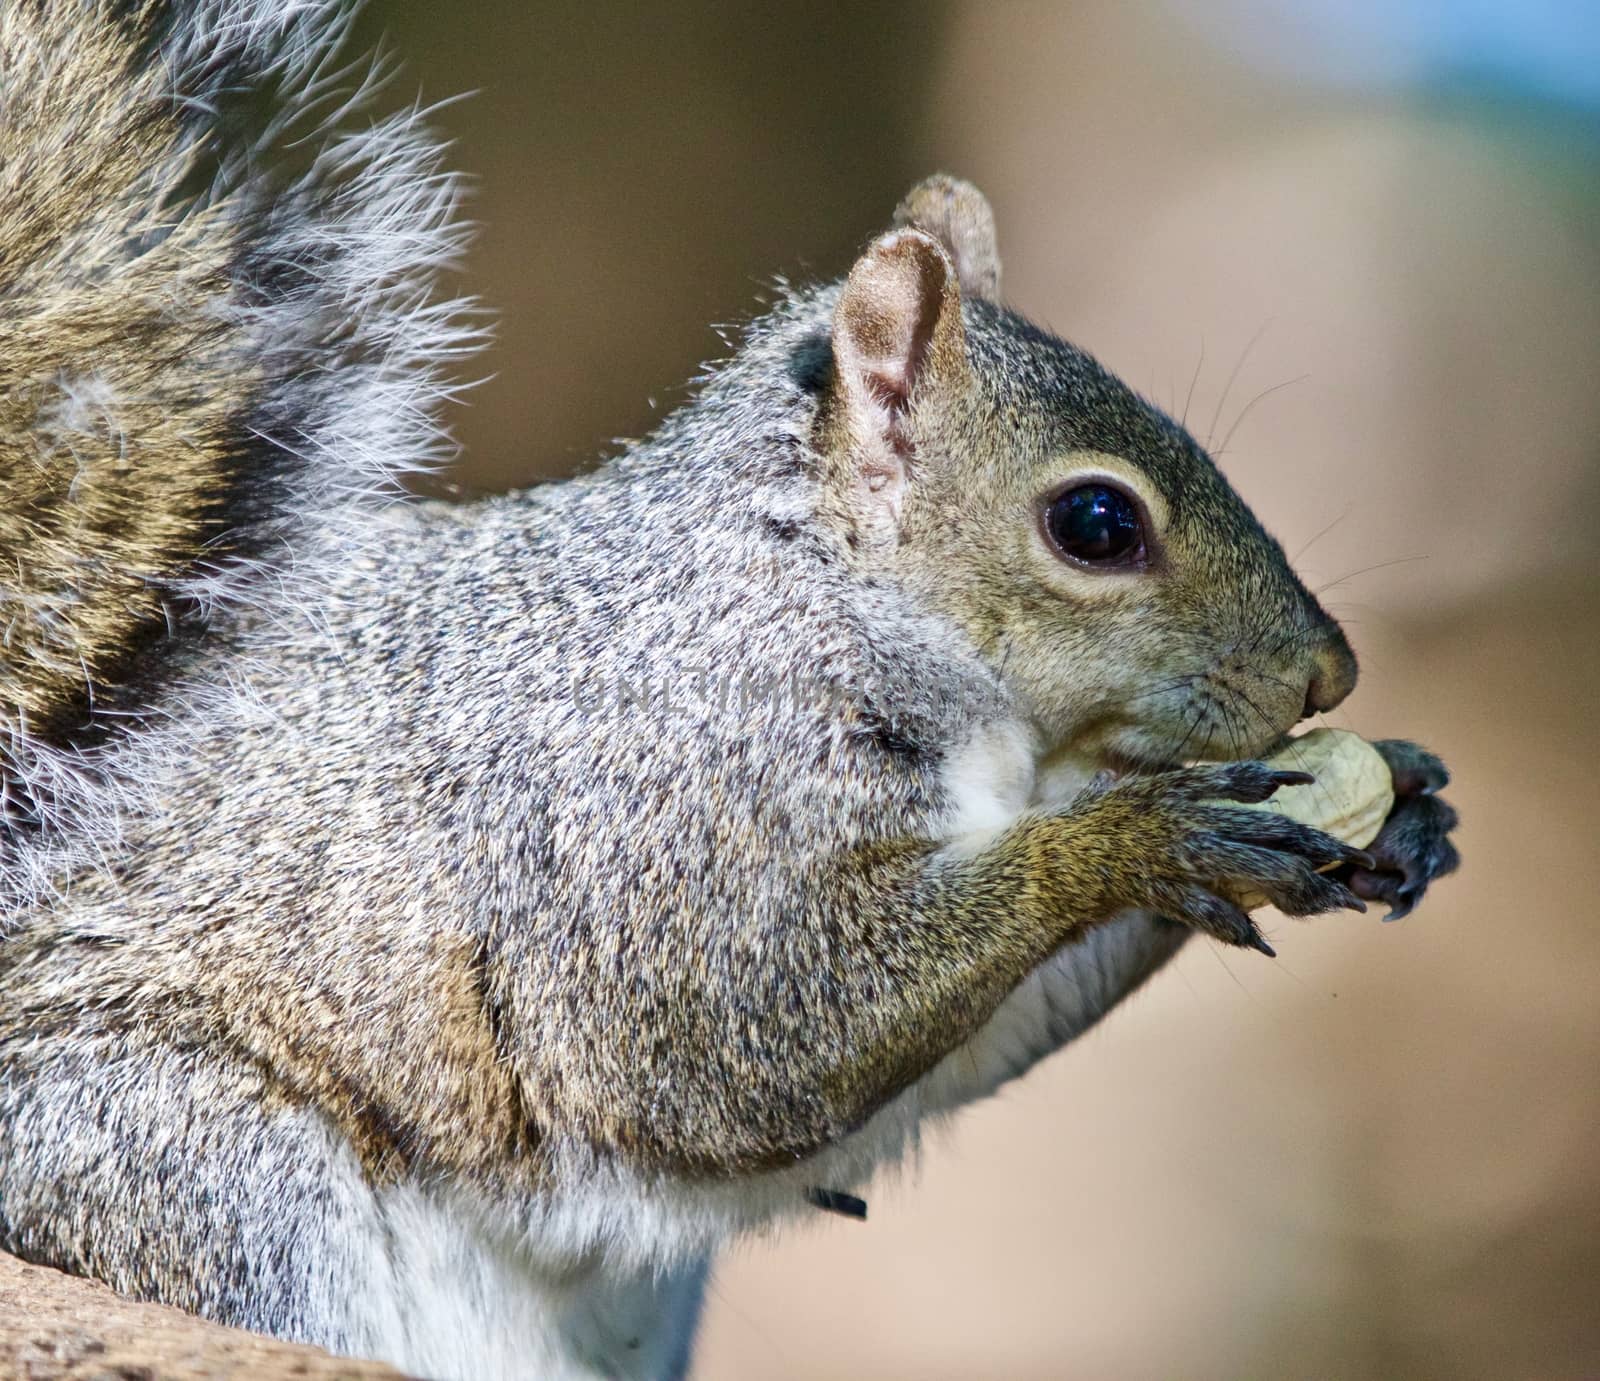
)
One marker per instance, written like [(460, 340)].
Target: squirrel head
[(1113, 580)]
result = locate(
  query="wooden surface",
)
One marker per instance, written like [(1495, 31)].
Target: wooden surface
[(55, 1327)]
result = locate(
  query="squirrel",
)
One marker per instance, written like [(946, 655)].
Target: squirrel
[(431, 931)]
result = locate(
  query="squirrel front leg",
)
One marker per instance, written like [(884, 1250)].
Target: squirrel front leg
[(741, 1046), (960, 931)]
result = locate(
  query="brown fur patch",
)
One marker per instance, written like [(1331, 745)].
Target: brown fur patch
[(119, 372)]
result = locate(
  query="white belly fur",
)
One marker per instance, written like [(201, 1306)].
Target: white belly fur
[(470, 1300)]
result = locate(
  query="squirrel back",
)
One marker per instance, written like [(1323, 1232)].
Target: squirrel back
[(219, 328)]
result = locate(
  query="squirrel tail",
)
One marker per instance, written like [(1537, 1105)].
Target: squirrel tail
[(219, 323)]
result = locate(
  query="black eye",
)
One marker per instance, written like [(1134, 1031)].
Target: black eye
[(1096, 524)]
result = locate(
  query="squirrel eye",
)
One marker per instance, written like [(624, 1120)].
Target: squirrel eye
[(1097, 525)]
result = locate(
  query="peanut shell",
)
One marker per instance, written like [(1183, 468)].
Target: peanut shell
[(1351, 797)]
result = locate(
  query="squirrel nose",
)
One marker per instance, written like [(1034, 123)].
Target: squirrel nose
[(1333, 676)]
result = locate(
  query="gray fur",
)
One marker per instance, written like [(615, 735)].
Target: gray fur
[(549, 889)]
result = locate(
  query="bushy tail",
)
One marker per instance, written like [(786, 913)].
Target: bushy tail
[(218, 323)]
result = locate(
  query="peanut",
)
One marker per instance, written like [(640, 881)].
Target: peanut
[(1351, 797)]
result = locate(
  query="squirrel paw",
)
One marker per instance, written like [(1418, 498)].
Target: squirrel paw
[(1199, 856), (1413, 847)]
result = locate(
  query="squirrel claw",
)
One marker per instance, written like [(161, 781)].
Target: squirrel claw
[(837, 1201), (1398, 912), (1404, 901), (1254, 939)]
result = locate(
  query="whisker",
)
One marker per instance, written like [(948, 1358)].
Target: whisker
[(1268, 676), (1160, 690), (1200, 715), (1005, 654), (1300, 634), (1305, 547), (1291, 748), (1244, 412), (1189, 396), (1233, 736), (1222, 402), (1227, 968), (1367, 570)]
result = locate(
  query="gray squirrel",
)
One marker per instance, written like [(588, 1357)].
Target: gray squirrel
[(432, 931)]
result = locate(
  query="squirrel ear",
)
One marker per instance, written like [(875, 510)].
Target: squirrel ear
[(896, 331), (959, 217)]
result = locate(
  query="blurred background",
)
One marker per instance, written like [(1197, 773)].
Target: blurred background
[(1358, 243)]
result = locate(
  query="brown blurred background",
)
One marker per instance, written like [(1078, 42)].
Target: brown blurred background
[(1375, 229)]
